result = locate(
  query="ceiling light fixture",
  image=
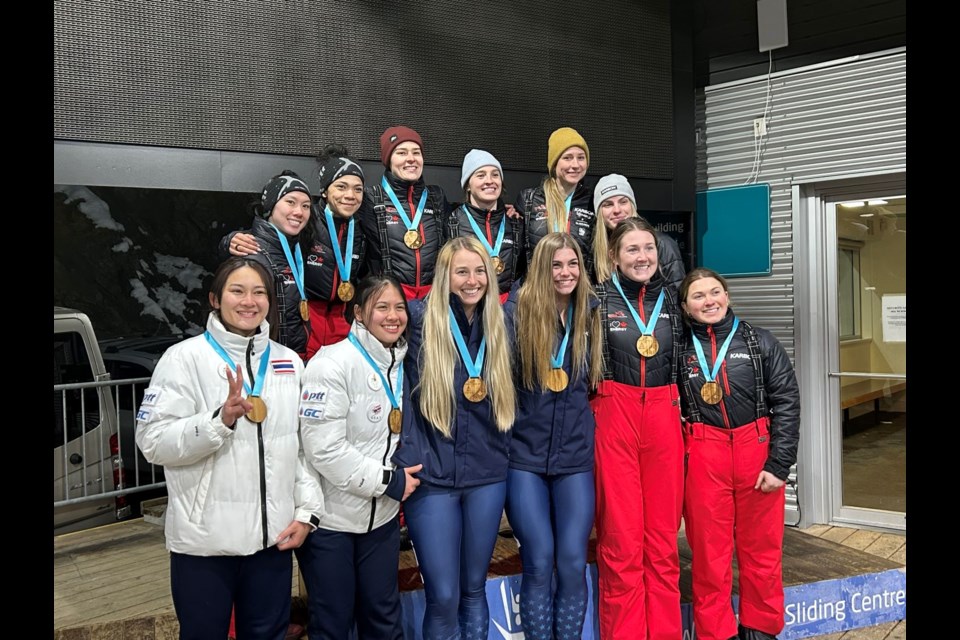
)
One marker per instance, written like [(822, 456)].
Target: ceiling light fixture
[(853, 204), (876, 203)]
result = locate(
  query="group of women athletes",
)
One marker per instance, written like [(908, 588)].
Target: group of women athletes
[(550, 359)]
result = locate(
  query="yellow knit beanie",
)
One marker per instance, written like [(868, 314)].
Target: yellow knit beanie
[(561, 140)]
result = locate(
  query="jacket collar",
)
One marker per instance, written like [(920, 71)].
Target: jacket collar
[(720, 329), (380, 354), (400, 186), (631, 288), (480, 215), (234, 344)]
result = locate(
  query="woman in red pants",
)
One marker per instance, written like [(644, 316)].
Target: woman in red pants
[(639, 444), (742, 407)]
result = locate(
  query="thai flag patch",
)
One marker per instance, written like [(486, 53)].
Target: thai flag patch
[(283, 366)]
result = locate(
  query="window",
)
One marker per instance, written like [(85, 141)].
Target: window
[(848, 289), (70, 364)]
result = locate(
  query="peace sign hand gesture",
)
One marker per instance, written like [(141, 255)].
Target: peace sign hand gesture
[(236, 405)]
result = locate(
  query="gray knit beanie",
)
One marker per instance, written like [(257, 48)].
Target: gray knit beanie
[(475, 159), (610, 186)]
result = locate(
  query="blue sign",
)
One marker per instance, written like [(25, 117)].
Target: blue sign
[(814, 609)]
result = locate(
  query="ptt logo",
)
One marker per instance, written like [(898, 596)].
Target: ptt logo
[(150, 397), (314, 413), (314, 396)]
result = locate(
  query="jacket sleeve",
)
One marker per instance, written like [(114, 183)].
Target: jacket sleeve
[(223, 249), (308, 496), (783, 399), (173, 426), (671, 261), (324, 406)]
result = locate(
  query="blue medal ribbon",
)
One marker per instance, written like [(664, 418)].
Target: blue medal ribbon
[(343, 264), (557, 361), (261, 374), (392, 392), (482, 237), (654, 315), (411, 226), (474, 367), (295, 261), (709, 374)]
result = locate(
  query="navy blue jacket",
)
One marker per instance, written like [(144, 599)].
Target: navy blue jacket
[(553, 432), (476, 453)]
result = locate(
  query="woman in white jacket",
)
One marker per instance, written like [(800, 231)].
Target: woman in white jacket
[(350, 412), (240, 495)]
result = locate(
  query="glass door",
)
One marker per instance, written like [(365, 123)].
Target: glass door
[(868, 360)]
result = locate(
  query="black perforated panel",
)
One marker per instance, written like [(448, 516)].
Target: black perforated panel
[(289, 76)]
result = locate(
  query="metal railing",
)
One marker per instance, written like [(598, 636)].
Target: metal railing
[(87, 467)]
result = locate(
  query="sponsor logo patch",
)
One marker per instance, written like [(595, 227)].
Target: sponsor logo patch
[(312, 413), (313, 396), (150, 397)]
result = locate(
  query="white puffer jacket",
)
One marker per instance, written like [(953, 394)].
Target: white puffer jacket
[(346, 438), (231, 492)]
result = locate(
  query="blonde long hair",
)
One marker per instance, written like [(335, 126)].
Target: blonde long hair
[(603, 264), (438, 397), (537, 328)]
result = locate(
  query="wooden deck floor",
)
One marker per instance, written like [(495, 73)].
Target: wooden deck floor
[(113, 582)]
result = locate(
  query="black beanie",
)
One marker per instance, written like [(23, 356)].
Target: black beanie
[(278, 187)]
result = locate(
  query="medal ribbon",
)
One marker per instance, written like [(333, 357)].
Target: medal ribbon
[(343, 264), (403, 214), (654, 315), (557, 361), (707, 373), (474, 367), (296, 263), (392, 393), (567, 202), (482, 237), (261, 374)]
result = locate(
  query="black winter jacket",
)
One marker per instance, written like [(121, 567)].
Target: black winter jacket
[(532, 206), (736, 377), (489, 222), (622, 362), (383, 230)]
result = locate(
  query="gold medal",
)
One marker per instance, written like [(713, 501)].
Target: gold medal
[(711, 392), (557, 380), (304, 310), (647, 346), (395, 420), (412, 239), (259, 411), (345, 291), (498, 265), (474, 389)]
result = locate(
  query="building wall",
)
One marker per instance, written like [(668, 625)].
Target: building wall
[(841, 119)]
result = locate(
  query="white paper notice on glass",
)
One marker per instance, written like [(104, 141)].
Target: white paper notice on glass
[(894, 317)]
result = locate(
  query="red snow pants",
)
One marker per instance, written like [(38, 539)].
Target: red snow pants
[(723, 512), (639, 479)]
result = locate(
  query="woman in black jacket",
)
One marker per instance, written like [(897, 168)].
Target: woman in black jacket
[(281, 225), (742, 425)]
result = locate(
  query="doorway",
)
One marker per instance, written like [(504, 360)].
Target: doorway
[(854, 358)]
